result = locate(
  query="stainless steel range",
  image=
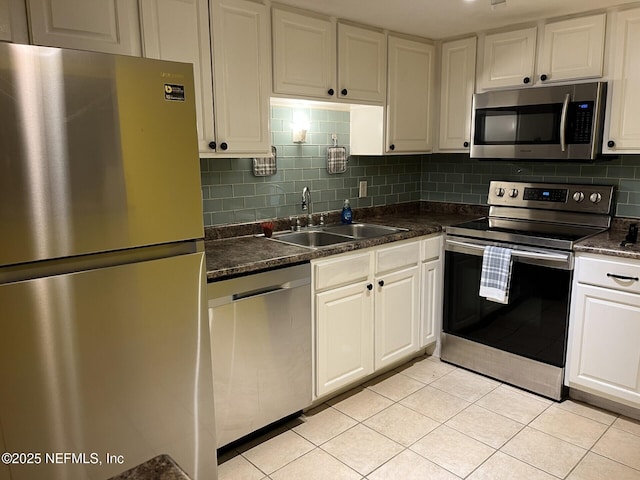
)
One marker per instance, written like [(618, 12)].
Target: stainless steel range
[(522, 342)]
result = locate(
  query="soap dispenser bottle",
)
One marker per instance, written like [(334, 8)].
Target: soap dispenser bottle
[(347, 215)]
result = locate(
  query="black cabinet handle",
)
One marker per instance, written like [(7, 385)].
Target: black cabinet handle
[(224, 146), (543, 77), (392, 147), (466, 144), (611, 144), (212, 145), (344, 92), (330, 91), (623, 277), (526, 80), (381, 283), (369, 287)]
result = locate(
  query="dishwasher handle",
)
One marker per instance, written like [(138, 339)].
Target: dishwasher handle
[(266, 290)]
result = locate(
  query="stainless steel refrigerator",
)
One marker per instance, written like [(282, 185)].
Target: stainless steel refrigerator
[(105, 356)]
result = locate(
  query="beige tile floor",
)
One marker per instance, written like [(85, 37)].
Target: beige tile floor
[(431, 420)]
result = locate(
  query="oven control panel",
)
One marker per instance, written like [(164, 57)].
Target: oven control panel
[(552, 196)]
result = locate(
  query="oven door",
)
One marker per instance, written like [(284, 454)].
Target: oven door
[(534, 322)]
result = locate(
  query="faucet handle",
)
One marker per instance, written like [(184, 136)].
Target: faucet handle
[(322, 219)]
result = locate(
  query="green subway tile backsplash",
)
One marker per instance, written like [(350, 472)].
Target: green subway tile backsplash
[(470, 183), (232, 194)]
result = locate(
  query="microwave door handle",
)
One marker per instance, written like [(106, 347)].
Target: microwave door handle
[(563, 122)]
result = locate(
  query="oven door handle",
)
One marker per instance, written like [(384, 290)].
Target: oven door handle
[(553, 257)]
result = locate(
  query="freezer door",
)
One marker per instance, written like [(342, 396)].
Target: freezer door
[(97, 153), (112, 366)]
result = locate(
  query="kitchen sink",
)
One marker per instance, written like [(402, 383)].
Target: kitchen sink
[(362, 230), (318, 237), (311, 238)]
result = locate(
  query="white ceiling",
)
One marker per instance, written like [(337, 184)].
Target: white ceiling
[(437, 19)]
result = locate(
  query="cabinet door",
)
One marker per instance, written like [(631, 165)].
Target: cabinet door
[(508, 59), (304, 55), (110, 26), (430, 302), (457, 85), (362, 64), (396, 316), (605, 352), (624, 129), (572, 49), (410, 85), (13, 21), (344, 336), (178, 30), (242, 77)]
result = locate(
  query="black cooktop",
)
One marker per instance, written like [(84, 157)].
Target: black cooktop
[(524, 232)]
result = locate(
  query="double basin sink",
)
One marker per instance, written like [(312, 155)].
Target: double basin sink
[(325, 236)]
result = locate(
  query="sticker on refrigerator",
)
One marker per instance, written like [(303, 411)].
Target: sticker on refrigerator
[(174, 93)]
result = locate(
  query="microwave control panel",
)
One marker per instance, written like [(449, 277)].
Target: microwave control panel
[(580, 122)]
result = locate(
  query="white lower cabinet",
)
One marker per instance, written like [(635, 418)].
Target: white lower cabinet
[(368, 313), (604, 350), (431, 283), (344, 336), (397, 325)]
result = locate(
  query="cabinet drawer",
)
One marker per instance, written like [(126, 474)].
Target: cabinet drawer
[(398, 256), (341, 270), (616, 274), (431, 248)]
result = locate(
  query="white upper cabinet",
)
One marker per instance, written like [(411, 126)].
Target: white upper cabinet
[(457, 84), (109, 26), (305, 62), (304, 55), (178, 30), (572, 49), (242, 77), (409, 99), (362, 67), (232, 99), (624, 120), (13, 21), (508, 59)]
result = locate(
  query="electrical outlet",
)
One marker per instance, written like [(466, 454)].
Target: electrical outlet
[(363, 189)]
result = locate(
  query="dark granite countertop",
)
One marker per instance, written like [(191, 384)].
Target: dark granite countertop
[(161, 467), (608, 243), (251, 252), (241, 249)]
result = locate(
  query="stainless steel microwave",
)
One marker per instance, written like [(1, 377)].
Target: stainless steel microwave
[(562, 122)]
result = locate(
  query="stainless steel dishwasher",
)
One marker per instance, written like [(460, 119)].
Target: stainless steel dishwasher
[(261, 349)]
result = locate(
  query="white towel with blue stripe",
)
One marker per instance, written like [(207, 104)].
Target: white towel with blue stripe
[(496, 274)]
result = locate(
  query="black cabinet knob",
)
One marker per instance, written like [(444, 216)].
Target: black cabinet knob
[(344, 91), (543, 77), (526, 80), (611, 144), (224, 146), (369, 287), (381, 283), (392, 147), (330, 91), (212, 145), (466, 144)]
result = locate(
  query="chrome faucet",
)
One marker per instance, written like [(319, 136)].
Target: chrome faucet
[(306, 205)]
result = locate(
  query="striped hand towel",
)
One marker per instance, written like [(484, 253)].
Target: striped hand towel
[(336, 160), (496, 274)]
